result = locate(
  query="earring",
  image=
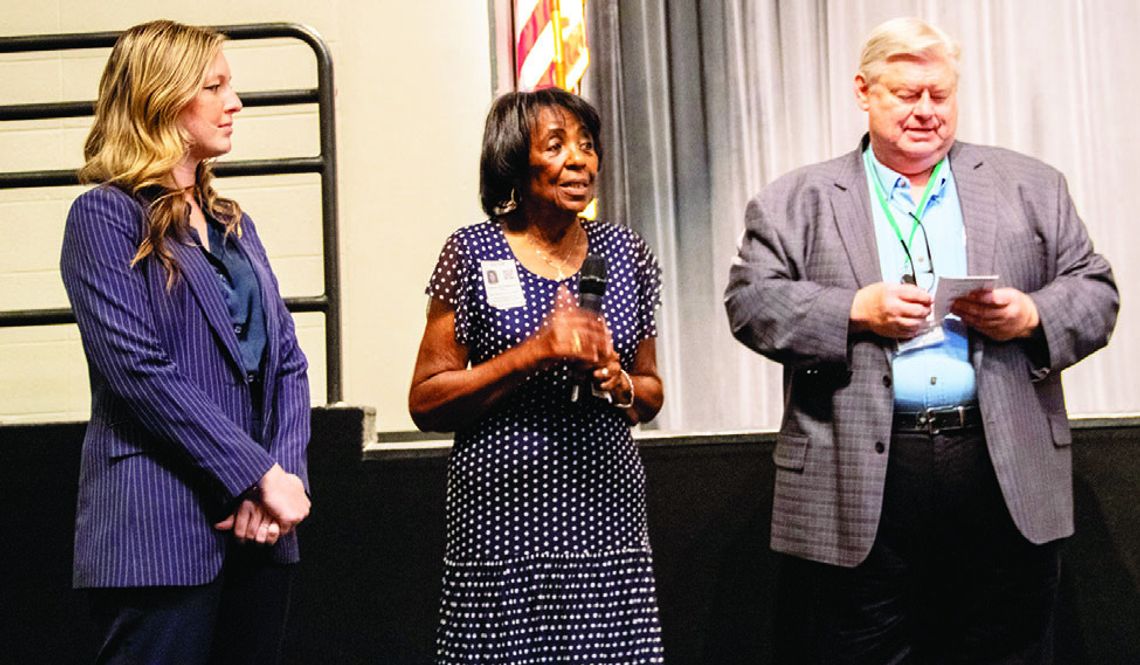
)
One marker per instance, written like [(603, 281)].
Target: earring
[(510, 205)]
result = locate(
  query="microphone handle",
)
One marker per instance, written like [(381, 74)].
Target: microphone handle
[(591, 302)]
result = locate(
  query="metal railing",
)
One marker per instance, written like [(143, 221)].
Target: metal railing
[(324, 164)]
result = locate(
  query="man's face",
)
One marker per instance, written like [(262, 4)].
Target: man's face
[(912, 112)]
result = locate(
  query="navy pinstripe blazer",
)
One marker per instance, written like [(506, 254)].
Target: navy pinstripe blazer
[(170, 444), (809, 244)]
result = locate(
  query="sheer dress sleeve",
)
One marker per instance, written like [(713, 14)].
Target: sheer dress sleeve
[(648, 272), (450, 282)]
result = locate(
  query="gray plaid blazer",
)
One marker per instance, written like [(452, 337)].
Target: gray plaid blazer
[(809, 245)]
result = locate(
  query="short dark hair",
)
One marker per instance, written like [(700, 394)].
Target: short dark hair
[(505, 162)]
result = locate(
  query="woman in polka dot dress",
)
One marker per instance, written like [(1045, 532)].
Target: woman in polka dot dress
[(547, 557)]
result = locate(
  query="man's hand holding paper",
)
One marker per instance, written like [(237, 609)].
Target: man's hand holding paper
[(950, 289), (947, 291), (1000, 314)]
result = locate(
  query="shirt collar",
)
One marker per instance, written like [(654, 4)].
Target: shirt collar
[(898, 186)]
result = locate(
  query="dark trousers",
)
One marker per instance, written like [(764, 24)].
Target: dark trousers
[(237, 618), (949, 578)]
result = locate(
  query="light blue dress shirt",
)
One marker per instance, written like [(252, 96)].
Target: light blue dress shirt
[(938, 375)]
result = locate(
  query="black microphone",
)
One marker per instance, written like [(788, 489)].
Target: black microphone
[(592, 283), (591, 288)]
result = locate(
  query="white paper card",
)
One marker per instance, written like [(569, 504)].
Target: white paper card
[(951, 288), (501, 280)]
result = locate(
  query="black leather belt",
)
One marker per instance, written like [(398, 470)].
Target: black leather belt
[(944, 419)]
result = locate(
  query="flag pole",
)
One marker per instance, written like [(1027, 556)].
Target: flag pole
[(556, 24)]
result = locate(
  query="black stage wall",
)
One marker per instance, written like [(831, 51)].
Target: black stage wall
[(368, 583)]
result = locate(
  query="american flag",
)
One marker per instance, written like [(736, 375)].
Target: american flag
[(550, 43)]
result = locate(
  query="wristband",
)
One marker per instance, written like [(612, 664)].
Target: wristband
[(628, 404)]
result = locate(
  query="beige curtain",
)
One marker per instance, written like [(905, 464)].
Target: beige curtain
[(1055, 79)]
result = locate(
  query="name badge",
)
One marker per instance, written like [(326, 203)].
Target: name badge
[(934, 335), (501, 281)]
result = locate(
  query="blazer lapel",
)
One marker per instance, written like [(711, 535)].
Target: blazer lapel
[(978, 199), (202, 279), (272, 324), (852, 205)]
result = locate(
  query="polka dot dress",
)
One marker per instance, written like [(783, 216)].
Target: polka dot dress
[(547, 557)]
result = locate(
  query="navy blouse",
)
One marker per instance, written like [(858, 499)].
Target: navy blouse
[(241, 291)]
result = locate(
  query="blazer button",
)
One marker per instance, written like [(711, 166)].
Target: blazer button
[(879, 447), (887, 380)]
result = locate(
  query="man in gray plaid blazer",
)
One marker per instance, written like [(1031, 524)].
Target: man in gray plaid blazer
[(923, 467)]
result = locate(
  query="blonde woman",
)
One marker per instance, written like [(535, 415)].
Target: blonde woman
[(193, 475)]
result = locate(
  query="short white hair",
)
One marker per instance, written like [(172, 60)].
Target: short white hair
[(906, 36)]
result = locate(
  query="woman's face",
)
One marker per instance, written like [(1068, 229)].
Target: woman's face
[(563, 164), (208, 119)]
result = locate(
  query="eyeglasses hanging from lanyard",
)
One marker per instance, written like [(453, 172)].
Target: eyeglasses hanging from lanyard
[(917, 216)]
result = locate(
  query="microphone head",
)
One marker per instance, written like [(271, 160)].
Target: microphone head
[(593, 276)]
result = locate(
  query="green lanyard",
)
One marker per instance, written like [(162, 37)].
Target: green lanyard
[(882, 195)]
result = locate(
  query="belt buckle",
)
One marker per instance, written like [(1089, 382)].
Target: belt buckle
[(928, 417), (961, 411), (926, 421)]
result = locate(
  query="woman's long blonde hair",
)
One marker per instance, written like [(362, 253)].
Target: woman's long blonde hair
[(154, 71)]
